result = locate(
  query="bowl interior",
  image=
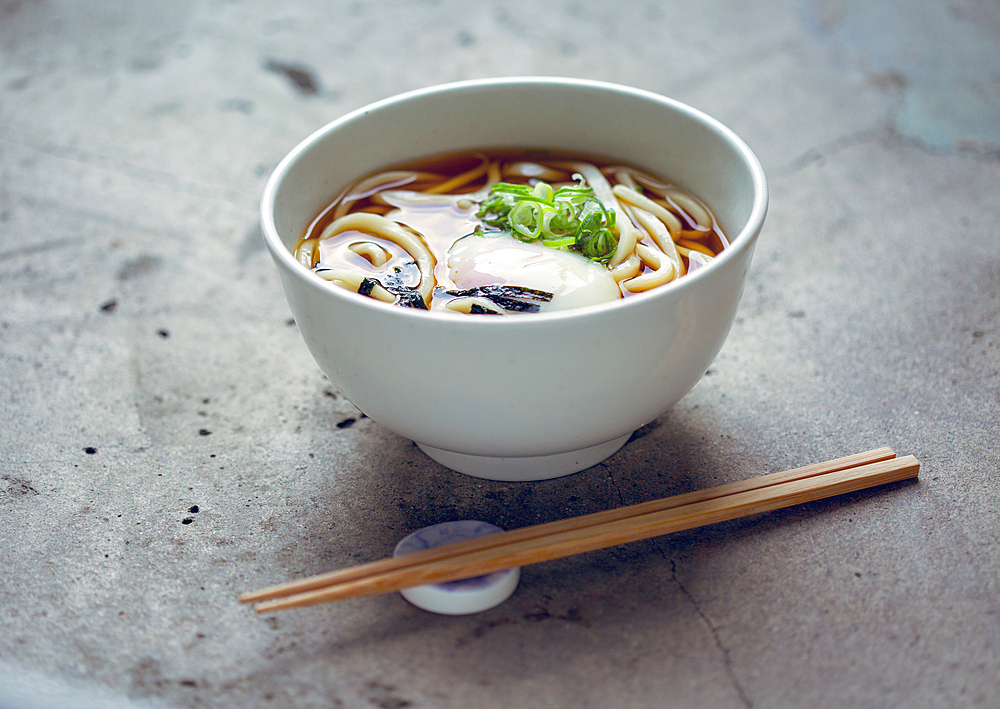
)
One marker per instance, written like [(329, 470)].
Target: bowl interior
[(651, 131)]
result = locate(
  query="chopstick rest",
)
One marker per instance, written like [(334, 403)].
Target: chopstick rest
[(464, 596)]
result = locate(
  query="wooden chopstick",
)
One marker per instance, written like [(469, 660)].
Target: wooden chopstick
[(576, 535), (598, 536), (564, 525)]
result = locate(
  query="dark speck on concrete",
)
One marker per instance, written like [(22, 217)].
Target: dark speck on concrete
[(204, 432), (347, 423), (301, 78), (163, 333), (193, 508), (187, 520), (139, 266), (13, 487), (109, 306), (539, 614), (90, 450), (573, 615), (386, 696)]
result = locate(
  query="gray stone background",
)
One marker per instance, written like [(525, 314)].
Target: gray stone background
[(166, 442)]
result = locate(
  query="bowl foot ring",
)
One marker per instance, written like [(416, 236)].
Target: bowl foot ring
[(536, 467)]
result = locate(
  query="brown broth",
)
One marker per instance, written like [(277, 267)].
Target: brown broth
[(439, 225)]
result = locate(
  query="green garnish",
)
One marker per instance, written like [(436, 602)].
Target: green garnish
[(567, 218)]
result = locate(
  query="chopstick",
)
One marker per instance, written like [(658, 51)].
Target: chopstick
[(576, 535), (565, 525)]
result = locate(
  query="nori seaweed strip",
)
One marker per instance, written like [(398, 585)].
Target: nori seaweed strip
[(410, 299), (507, 297), (503, 291), (392, 281), (480, 310), (406, 296), (512, 304)]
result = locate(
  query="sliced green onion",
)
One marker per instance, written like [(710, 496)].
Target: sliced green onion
[(562, 243), (525, 220), (567, 218)]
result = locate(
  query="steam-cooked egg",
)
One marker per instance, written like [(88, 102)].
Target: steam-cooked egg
[(573, 280)]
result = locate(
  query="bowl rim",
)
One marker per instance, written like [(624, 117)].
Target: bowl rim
[(742, 240)]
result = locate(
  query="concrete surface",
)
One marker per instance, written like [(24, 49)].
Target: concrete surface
[(166, 442)]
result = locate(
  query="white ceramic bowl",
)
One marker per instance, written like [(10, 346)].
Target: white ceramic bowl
[(531, 396)]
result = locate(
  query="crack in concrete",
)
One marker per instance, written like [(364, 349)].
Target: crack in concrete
[(755, 56), (33, 249), (136, 172), (829, 149), (727, 661), (101, 214), (614, 484), (886, 134), (944, 98)]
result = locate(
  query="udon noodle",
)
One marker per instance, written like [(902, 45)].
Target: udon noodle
[(504, 232)]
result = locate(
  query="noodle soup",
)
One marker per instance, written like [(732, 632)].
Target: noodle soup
[(502, 232), (512, 396)]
